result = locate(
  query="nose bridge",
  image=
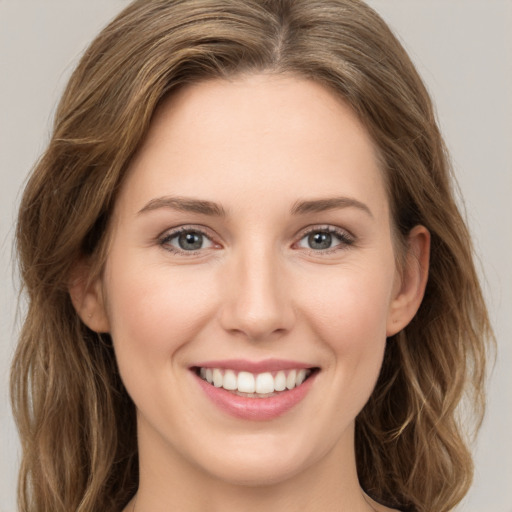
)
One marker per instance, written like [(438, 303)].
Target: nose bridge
[(257, 302)]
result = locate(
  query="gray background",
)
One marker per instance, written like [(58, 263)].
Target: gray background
[(463, 49)]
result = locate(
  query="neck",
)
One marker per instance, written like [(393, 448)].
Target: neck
[(328, 484)]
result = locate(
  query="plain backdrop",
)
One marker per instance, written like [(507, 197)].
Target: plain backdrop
[(463, 49)]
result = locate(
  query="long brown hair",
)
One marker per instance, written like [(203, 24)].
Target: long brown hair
[(76, 421)]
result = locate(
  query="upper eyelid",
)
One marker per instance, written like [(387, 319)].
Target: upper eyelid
[(324, 227), (170, 232), (206, 230)]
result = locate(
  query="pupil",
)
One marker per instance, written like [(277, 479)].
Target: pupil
[(320, 240), (190, 241)]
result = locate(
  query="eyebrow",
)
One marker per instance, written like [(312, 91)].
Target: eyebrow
[(210, 208), (185, 205), (331, 203)]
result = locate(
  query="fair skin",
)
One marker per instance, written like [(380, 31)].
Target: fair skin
[(292, 259)]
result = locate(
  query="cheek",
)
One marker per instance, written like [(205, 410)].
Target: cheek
[(350, 311), (349, 316), (346, 313), (154, 312)]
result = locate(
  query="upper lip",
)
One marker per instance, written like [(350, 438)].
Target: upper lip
[(244, 365)]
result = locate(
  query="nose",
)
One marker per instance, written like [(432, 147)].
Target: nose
[(256, 297)]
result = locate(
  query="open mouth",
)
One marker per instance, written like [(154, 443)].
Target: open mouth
[(255, 385)]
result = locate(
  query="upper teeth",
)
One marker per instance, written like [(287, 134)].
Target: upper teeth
[(246, 382)]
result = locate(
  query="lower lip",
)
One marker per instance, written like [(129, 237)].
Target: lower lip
[(256, 409)]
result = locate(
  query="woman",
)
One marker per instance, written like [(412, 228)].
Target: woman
[(249, 283)]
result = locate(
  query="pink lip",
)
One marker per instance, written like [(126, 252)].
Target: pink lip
[(255, 409), (242, 365)]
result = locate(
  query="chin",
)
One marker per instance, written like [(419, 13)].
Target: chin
[(261, 474), (252, 466)]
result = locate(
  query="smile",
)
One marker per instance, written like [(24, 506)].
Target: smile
[(255, 391), (260, 385)]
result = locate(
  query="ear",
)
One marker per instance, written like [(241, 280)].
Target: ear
[(87, 298), (411, 281)]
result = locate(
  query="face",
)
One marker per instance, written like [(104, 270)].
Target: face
[(251, 247)]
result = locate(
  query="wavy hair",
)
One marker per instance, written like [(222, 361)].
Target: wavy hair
[(76, 421)]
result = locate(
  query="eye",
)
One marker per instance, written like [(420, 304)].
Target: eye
[(325, 239), (186, 240)]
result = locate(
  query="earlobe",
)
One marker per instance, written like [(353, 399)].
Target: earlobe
[(87, 298), (412, 283)]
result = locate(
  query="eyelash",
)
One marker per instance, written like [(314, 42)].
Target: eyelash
[(345, 239), (165, 240)]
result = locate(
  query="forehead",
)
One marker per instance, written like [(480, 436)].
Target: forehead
[(240, 139)]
